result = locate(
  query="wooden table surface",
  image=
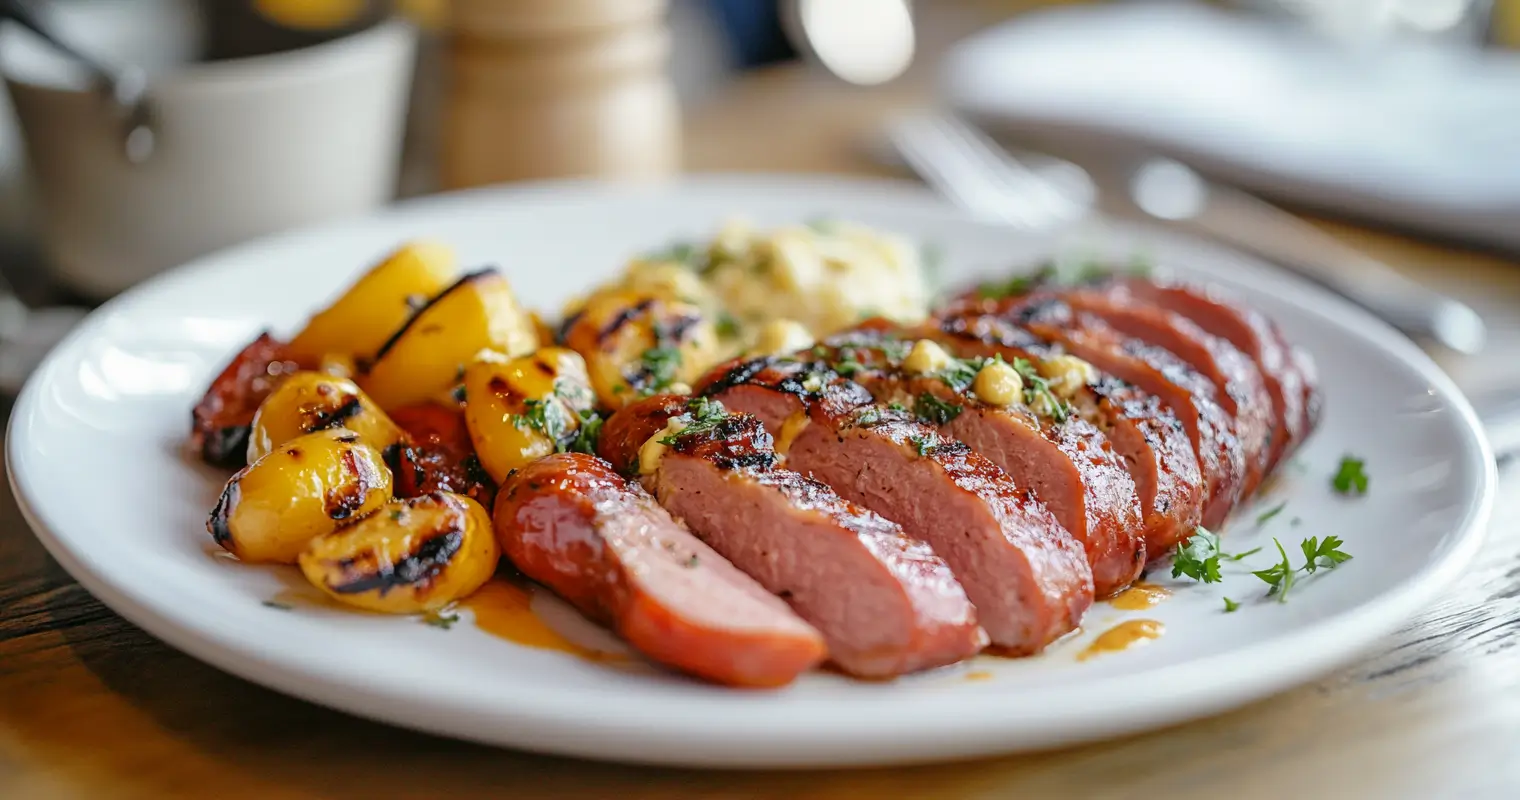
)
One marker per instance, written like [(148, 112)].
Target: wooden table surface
[(92, 707)]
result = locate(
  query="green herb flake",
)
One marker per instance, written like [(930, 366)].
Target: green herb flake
[(1037, 392), (441, 618), (704, 415), (397, 514), (691, 563), (935, 411), (727, 326), (1230, 606), (848, 368), (896, 406), (587, 434), (547, 416), (277, 605), (961, 372), (1018, 285), (1265, 516), (659, 366), (924, 444), (1351, 477), (1197, 557)]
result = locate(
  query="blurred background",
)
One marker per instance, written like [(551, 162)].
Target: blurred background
[(165, 129)]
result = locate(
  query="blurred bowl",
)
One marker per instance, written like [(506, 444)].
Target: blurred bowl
[(244, 146)]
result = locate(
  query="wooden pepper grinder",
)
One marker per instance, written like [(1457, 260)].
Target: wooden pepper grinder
[(554, 88)]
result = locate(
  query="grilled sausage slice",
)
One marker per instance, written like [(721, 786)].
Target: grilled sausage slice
[(1287, 371), (885, 603), (1238, 384), (572, 523), (1066, 460), (1147, 436), (1026, 575), (439, 455), (1189, 395), (220, 422)]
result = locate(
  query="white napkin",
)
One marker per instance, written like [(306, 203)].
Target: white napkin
[(1408, 135)]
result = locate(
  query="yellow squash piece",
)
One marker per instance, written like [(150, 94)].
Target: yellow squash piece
[(522, 409), (423, 360), (305, 488), (313, 401), (378, 304), (413, 555), (638, 344)]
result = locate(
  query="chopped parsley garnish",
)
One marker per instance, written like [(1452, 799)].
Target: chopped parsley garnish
[(896, 406), (1092, 272), (277, 605), (869, 416), (1037, 392), (961, 373), (397, 514), (1351, 478), (587, 435), (848, 367), (659, 366), (1018, 284), (727, 326), (547, 416), (705, 416), (1263, 517), (442, 618), (935, 411), (691, 563), (459, 393), (924, 444), (1230, 605)]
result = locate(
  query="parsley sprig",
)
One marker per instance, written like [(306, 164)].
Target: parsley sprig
[(1326, 554), (1199, 557)]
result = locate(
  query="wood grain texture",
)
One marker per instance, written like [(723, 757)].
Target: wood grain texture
[(92, 707)]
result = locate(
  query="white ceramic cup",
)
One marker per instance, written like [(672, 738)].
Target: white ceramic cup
[(244, 147)]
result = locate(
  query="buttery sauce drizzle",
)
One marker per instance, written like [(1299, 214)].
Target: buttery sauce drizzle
[(505, 610), (1139, 596), (1123, 636)]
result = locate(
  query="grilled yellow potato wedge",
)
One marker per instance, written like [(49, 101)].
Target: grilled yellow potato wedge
[(522, 409), (304, 488), (379, 303), (423, 360), (313, 401), (637, 344), (413, 555)]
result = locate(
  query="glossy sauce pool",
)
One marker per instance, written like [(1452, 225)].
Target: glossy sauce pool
[(505, 610), (1139, 596), (1123, 636)]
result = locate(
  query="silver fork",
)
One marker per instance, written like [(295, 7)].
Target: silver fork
[(1038, 192)]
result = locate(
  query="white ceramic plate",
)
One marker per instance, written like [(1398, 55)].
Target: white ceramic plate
[(97, 458)]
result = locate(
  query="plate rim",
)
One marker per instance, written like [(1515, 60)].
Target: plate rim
[(1314, 648)]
